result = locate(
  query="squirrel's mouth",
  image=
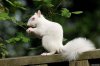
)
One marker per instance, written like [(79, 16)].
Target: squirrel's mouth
[(31, 26)]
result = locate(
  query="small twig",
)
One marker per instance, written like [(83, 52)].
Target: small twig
[(59, 4)]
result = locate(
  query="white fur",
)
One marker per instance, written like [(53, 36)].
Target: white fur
[(51, 32), (75, 47), (52, 36)]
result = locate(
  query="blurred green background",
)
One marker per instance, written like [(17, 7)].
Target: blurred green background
[(79, 18)]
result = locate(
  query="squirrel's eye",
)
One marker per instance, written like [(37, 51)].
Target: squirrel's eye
[(33, 18)]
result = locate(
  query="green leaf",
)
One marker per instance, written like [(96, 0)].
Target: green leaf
[(10, 3), (37, 0), (77, 12), (17, 39), (25, 40), (2, 8), (3, 50), (16, 4), (10, 40), (50, 5), (4, 16), (1, 44), (65, 12), (47, 1)]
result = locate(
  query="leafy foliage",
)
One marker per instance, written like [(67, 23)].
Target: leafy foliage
[(16, 4), (3, 50), (65, 13), (4, 16), (19, 38)]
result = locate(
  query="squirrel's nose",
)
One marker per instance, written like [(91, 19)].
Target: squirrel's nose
[(29, 25)]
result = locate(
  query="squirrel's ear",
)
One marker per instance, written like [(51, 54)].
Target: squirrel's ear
[(35, 13), (39, 13)]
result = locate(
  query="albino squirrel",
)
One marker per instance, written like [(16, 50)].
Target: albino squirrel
[(51, 34)]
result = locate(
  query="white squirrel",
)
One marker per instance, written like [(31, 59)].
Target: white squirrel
[(51, 34)]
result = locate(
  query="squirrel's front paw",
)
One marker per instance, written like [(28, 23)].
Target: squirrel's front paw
[(29, 30)]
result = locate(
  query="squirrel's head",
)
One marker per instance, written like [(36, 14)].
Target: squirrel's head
[(35, 19)]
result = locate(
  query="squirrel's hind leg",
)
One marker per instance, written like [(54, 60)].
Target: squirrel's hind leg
[(50, 53)]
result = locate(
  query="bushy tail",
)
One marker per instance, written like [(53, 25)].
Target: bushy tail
[(75, 47)]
